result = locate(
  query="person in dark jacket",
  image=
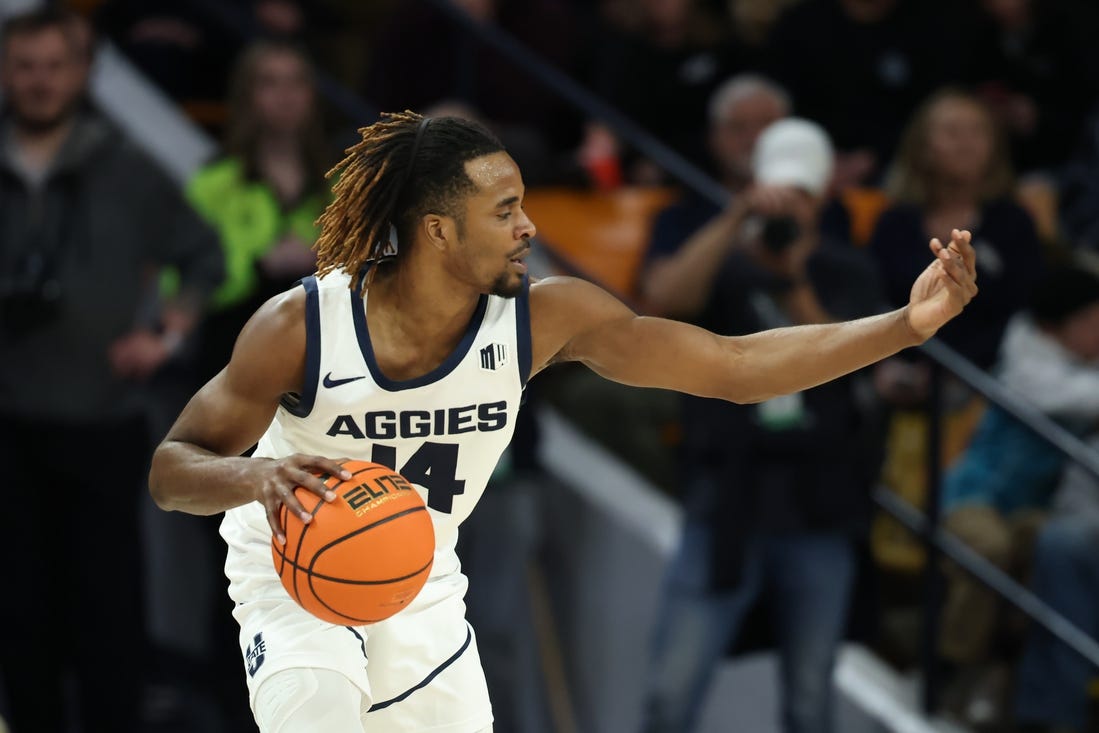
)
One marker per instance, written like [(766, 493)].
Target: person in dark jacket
[(777, 492), (86, 222)]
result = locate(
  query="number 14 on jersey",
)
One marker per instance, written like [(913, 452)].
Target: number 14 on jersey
[(433, 466)]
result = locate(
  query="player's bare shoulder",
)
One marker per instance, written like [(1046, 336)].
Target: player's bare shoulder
[(269, 355), (562, 308)]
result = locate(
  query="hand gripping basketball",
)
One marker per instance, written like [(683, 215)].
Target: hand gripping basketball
[(365, 554), (279, 478)]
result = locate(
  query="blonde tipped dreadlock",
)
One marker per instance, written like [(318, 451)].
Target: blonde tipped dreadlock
[(404, 167)]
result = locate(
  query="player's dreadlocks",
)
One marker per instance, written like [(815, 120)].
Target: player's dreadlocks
[(404, 167)]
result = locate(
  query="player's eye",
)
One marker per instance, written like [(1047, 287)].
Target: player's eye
[(504, 216)]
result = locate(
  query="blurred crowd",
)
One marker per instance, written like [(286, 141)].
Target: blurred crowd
[(844, 134)]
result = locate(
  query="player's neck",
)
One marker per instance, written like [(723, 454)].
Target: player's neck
[(421, 301)]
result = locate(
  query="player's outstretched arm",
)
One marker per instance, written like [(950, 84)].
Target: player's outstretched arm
[(198, 468), (576, 321)]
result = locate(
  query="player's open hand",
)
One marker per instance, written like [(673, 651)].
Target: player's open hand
[(277, 480), (945, 287)]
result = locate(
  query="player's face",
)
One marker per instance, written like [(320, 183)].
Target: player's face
[(282, 93), (42, 78), (496, 231)]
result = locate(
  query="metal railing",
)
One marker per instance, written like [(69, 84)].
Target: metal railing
[(939, 543)]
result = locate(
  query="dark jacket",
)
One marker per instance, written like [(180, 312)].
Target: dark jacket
[(793, 465), (79, 256)]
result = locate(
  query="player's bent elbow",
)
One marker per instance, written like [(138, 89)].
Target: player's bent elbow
[(742, 394), (158, 487)]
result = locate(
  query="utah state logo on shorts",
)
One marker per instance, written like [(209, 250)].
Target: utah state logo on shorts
[(255, 654)]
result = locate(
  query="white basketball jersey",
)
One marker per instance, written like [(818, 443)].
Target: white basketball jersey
[(444, 431)]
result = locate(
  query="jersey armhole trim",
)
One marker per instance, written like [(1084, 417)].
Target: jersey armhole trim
[(522, 332), (308, 397)]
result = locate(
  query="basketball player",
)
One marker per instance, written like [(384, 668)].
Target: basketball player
[(418, 361)]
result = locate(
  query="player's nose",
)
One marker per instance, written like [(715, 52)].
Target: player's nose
[(526, 226)]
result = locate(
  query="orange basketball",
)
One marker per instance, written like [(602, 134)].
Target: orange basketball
[(364, 556)]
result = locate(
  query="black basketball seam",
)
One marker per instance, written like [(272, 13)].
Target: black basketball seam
[(322, 576), (365, 528), (341, 614), (297, 551), (315, 575)]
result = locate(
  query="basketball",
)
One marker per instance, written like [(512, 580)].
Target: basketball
[(365, 555)]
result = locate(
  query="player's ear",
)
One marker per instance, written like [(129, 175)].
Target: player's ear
[(439, 230)]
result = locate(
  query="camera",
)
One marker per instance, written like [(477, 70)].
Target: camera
[(779, 233), (30, 295)]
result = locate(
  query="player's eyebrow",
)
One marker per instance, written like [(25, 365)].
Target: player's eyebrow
[(506, 202)]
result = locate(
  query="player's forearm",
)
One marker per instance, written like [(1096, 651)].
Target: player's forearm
[(187, 478), (656, 352), (781, 361)]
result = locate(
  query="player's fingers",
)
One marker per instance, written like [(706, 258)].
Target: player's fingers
[(962, 243), (961, 272), (286, 496), (956, 279), (334, 467), (311, 482), (936, 246), (326, 465), (305, 468), (955, 268), (272, 508)]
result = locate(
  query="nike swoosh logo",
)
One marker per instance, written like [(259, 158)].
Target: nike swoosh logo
[(329, 382)]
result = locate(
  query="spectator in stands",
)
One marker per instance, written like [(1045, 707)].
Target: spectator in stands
[(997, 496), (777, 492), (86, 219), (173, 43), (1051, 693), (673, 51), (1078, 191), (421, 58), (265, 194), (953, 167), (860, 67), (187, 47), (752, 23), (692, 237), (688, 241), (1036, 67)]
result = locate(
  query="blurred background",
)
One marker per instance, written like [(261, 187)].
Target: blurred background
[(911, 548)]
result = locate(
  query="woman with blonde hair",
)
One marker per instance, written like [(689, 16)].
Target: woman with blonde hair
[(953, 166)]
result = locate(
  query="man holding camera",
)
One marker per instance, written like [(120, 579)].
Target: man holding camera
[(777, 493), (86, 223)]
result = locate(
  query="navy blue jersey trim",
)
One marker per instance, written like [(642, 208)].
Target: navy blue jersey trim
[(390, 385), (362, 641), (427, 680), (304, 404), (522, 331)]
